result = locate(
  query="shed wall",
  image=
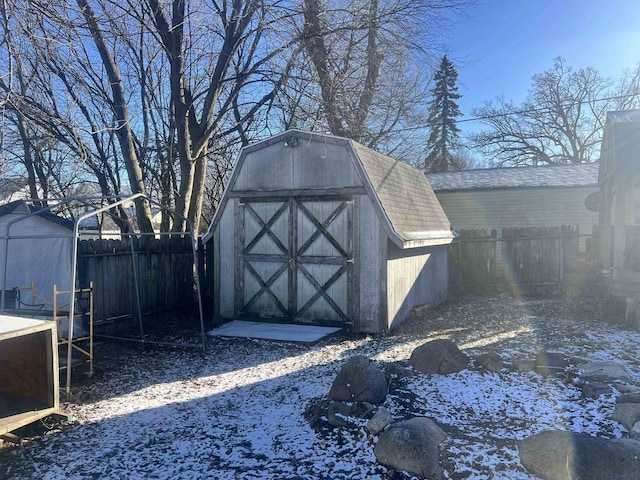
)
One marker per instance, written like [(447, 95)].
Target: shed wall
[(371, 240), (523, 207), (226, 260), (414, 277), (310, 165), (383, 292)]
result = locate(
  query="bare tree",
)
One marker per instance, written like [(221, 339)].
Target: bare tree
[(560, 122), (157, 96), (362, 55), (161, 81)]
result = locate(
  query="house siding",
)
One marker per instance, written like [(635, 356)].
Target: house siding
[(519, 207)]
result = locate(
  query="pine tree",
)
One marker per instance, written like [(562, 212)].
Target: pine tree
[(443, 111)]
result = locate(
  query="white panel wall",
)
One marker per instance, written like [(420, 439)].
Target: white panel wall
[(45, 258), (524, 207), (227, 260), (414, 277), (369, 266), (309, 165)]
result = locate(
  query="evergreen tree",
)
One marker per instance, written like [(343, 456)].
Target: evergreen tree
[(443, 111)]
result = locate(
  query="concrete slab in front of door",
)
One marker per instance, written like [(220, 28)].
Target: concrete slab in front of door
[(286, 332)]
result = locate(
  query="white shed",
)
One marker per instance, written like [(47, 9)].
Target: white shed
[(319, 229), (36, 248)]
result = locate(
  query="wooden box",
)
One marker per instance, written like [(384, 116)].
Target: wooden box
[(29, 380)]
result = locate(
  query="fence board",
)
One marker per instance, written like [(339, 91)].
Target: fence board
[(524, 260), (165, 273)]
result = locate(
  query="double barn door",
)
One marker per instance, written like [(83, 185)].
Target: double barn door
[(296, 259)]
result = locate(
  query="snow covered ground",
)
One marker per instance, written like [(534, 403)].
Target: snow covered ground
[(238, 411)]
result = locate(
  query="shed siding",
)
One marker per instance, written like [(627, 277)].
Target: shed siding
[(226, 260), (414, 277), (314, 166), (320, 171), (509, 208), (370, 235)]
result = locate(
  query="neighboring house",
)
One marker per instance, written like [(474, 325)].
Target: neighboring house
[(500, 198), (319, 229), (103, 225), (620, 207)]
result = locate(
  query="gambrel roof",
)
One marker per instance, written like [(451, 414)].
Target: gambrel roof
[(406, 197), (406, 204), (581, 175)]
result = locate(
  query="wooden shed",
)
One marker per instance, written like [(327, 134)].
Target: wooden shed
[(620, 207), (319, 229)]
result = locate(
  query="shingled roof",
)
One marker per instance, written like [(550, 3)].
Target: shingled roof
[(408, 201), (23, 208), (582, 175)]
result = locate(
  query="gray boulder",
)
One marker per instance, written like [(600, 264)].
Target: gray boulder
[(594, 390), (438, 356), (604, 372), (413, 446), (490, 362), (559, 455), (630, 444), (359, 380), (380, 420), (627, 414), (632, 397), (550, 363)]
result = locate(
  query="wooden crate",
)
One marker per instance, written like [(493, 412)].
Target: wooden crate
[(29, 380)]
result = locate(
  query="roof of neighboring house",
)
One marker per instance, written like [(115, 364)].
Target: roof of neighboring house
[(581, 175), (23, 208), (405, 195)]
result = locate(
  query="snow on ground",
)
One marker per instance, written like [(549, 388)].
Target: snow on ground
[(238, 411)]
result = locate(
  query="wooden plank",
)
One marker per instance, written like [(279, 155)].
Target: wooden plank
[(14, 422), (302, 194), (293, 268), (239, 250), (226, 258), (382, 288), (11, 438), (353, 294)]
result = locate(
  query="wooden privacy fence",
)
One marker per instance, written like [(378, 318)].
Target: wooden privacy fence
[(165, 269), (532, 260)]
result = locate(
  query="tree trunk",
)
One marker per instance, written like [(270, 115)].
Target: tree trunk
[(120, 110)]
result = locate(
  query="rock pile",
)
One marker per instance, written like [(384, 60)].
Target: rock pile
[(416, 445)]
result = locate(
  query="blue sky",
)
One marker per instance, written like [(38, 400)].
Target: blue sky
[(500, 45)]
